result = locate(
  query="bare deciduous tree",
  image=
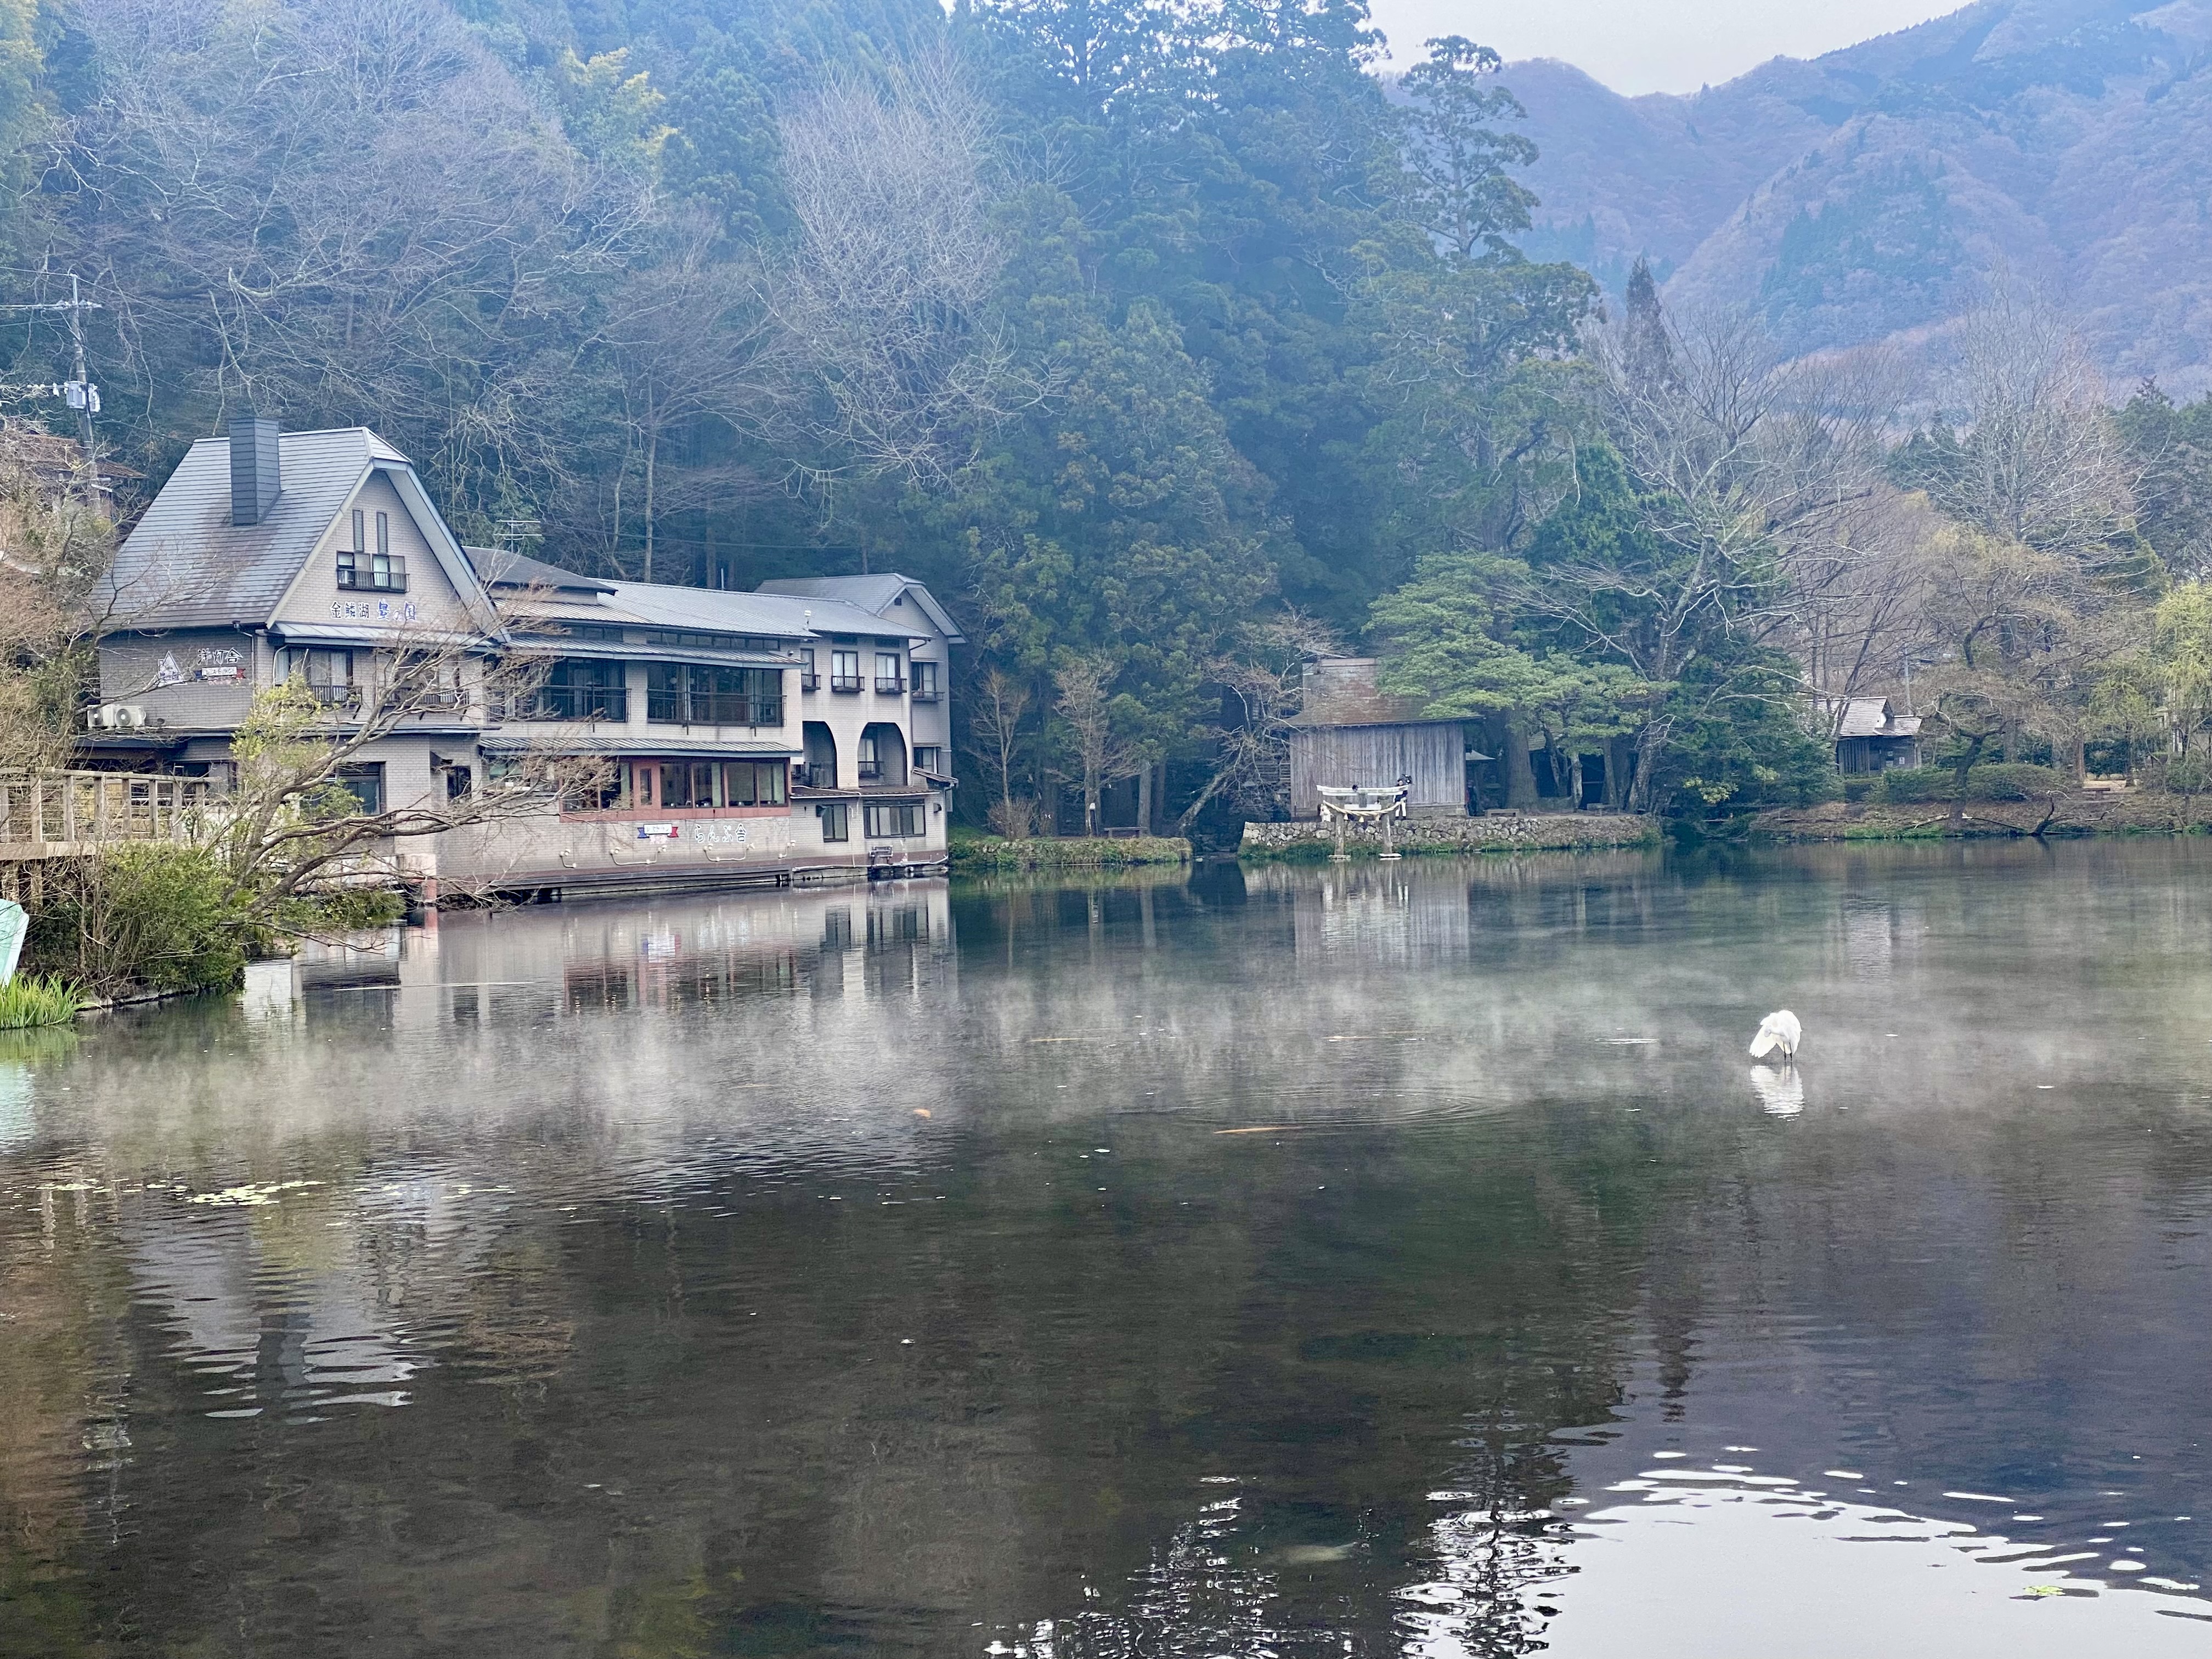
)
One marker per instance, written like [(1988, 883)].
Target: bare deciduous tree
[(887, 292), (1265, 678), (995, 736), (1092, 719), (2032, 457)]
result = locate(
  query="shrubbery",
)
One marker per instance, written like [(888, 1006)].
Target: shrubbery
[(1995, 780), (146, 915)]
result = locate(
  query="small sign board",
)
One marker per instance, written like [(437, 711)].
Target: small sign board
[(657, 831)]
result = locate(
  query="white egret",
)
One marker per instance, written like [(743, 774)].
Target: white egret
[(1780, 1030)]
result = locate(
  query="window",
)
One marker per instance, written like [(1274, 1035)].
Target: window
[(752, 783), (890, 677), (460, 783), (894, 818), (871, 766), (925, 682), (329, 675), (687, 783), (844, 671), (353, 559), (575, 690), (835, 826), (808, 679), (382, 571), (365, 784), (679, 695), (641, 785), (929, 757)]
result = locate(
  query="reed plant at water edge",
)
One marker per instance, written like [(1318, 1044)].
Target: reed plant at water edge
[(35, 1000)]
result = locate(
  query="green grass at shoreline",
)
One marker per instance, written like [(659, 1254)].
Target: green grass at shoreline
[(974, 854)]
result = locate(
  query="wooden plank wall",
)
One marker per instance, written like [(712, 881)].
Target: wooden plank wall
[(1356, 757)]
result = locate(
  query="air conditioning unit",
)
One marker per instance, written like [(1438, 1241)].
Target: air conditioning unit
[(115, 717)]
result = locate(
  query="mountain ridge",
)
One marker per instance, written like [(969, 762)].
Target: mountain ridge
[(1865, 195)]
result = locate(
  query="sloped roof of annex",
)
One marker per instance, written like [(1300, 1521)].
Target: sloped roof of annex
[(185, 565), (878, 595)]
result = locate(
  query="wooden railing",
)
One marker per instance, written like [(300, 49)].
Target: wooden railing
[(69, 814)]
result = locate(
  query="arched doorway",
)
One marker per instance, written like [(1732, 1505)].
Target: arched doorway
[(882, 754), (817, 766)]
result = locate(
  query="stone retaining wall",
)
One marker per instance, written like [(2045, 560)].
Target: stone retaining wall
[(1493, 832)]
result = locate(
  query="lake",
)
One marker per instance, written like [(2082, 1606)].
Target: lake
[(1378, 1259)]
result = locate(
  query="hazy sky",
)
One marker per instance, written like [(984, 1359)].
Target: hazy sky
[(1651, 46)]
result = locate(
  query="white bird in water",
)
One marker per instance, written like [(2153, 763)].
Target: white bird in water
[(1780, 1030)]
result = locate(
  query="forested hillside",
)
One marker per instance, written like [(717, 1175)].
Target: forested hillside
[(1160, 339), (1865, 195)]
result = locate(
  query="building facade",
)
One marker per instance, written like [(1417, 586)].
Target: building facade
[(729, 737)]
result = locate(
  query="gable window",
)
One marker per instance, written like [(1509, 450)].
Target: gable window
[(380, 572), (925, 681)]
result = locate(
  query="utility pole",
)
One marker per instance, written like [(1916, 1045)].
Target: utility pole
[(83, 396)]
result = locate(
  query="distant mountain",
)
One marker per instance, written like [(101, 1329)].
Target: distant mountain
[(1863, 195)]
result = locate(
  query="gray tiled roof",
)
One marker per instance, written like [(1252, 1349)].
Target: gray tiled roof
[(803, 612), (712, 609), (185, 565), (506, 568), (874, 594), (1872, 717)]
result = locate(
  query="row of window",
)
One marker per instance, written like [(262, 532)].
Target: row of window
[(679, 695), (578, 690), (891, 673), (896, 820), (644, 785)]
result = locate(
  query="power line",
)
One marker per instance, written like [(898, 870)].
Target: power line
[(83, 396)]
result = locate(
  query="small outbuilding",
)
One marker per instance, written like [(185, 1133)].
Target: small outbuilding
[(1871, 736), (1348, 735)]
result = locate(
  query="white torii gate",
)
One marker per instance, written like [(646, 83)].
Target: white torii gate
[(1364, 805)]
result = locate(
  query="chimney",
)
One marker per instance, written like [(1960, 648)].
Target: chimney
[(253, 481)]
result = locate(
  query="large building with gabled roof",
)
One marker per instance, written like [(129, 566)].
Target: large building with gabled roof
[(768, 735)]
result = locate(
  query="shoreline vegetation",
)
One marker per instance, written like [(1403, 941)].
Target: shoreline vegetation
[(2069, 813), (978, 854), (1493, 832)]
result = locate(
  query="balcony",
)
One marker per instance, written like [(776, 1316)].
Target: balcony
[(818, 776), (421, 699), (571, 702), (712, 709), (844, 682), (809, 681), (889, 686), (872, 771), (335, 697), (925, 694)]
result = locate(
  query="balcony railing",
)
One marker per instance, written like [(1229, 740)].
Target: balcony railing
[(889, 686), (571, 702), (712, 709), (809, 681), (818, 776), (335, 697), (925, 694), (872, 771), (844, 682)]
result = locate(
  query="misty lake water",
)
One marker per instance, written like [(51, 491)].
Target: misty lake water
[(1291, 1261)]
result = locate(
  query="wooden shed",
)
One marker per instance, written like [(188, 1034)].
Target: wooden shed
[(1349, 735)]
